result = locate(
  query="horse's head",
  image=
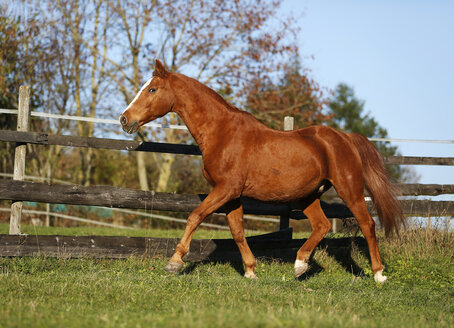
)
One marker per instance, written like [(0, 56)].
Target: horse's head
[(154, 100)]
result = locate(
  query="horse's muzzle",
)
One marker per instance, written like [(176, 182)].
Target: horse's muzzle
[(128, 127)]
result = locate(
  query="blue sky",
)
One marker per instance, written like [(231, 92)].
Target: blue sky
[(399, 58)]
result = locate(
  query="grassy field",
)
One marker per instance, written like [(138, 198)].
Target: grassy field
[(49, 292)]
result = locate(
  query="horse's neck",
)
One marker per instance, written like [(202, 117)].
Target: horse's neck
[(203, 122), (205, 116)]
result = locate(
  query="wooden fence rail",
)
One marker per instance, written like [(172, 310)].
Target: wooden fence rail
[(91, 142), (277, 245), (108, 196), (18, 191), (413, 189), (158, 147), (127, 198)]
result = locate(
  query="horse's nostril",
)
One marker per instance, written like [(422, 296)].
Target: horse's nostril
[(123, 120)]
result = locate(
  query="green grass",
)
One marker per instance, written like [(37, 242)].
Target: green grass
[(107, 231), (49, 292)]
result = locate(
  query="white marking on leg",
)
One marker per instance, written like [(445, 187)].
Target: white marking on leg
[(379, 277), (300, 263), (250, 275), (138, 94), (301, 266)]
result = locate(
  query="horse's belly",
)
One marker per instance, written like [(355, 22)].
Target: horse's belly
[(281, 186)]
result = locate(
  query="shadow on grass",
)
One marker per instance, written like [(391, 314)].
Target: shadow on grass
[(340, 250), (343, 256), (235, 264)]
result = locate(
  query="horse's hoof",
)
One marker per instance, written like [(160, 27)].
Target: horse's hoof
[(300, 268), (250, 275), (378, 277), (173, 267)]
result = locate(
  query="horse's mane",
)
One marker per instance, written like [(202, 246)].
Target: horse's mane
[(210, 92)]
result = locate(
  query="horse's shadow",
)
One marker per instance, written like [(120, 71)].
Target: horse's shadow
[(343, 256), (340, 250)]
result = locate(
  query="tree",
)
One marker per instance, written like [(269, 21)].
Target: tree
[(20, 55), (348, 115), (78, 31), (100, 46), (294, 94), (9, 31), (225, 44)]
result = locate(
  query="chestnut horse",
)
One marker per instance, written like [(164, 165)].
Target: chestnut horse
[(242, 157)]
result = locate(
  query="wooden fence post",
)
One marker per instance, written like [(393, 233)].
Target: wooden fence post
[(285, 219), (334, 225), (288, 123), (23, 117)]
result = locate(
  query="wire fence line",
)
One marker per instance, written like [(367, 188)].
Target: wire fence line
[(182, 127), (75, 218), (412, 140), (70, 217), (91, 119), (34, 178), (167, 218)]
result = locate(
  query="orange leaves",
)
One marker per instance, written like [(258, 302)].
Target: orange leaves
[(290, 93), (217, 41)]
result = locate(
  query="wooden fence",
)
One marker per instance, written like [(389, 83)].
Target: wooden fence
[(18, 190)]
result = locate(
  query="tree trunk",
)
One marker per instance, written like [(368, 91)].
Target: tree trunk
[(167, 159), (165, 173), (88, 166), (142, 170)]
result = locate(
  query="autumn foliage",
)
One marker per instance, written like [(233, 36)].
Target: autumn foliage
[(294, 94), (94, 55)]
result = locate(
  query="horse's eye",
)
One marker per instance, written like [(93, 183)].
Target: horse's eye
[(152, 90)]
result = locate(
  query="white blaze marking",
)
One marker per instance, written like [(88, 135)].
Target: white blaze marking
[(138, 94)]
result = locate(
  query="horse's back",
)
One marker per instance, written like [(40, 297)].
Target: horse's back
[(337, 145)]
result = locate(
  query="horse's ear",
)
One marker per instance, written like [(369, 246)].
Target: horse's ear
[(159, 69)]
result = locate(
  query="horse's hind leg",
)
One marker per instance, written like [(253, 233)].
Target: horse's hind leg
[(353, 196), (367, 225), (235, 218), (320, 227)]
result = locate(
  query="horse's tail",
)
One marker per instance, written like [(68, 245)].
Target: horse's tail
[(383, 192)]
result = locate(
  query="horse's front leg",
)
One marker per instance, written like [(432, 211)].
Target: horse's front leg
[(235, 218), (220, 195)]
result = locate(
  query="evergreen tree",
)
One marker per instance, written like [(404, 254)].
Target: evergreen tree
[(349, 116)]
